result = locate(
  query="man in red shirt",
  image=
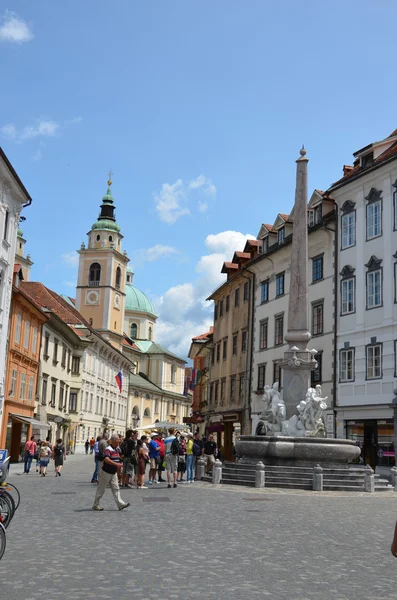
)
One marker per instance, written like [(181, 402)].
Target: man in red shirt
[(160, 442), (107, 476), (30, 451)]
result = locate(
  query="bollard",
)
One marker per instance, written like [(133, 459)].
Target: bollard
[(217, 472), (260, 475), (394, 478), (200, 468), (318, 479), (369, 480)]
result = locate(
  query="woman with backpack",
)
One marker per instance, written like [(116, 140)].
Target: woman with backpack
[(59, 456), (45, 454)]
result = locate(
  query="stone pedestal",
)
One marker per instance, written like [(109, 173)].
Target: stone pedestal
[(260, 475), (296, 367), (217, 472), (200, 468), (318, 479), (369, 480)]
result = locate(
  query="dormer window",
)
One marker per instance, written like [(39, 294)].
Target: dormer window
[(281, 235), (315, 215), (367, 160), (265, 243)]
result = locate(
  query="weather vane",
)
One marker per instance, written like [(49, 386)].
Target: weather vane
[(110, 177)]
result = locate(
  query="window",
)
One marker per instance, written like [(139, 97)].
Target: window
[(236, 297), (213, 355), (281, 235), (367, 160), (216, 391), (30, 388), (244, 338), (44, 391), (348, 296), (317, 268), (69, 359), (261, 377), (263, 335), (118, 278), (211, 392), (173, 374), (346, 365), (374, 213), (224, 354), (318, 318), (316, 375), (227, 303), (72, 402), (91, 402), (13, 383), (150, 334), (22, 389), (64, 352), (374, 289), (218, 352), (315, 215), (106, 407), (221, 308), (246, 291), (280, 284), (232, 386), (95, 275), (55, 354), (279, 330), (223, 390), (215, 311), (348, 226), (242, 387), (277, 373), (53, 394), (6, 222), (395, 206), (18, 329), (26, 335), (61, 394), (374, 361), (264, 291), (34, 341), (76, 365), (235, 339), (134, 331)]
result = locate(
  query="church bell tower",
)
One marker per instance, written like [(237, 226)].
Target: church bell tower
[(100, 292)]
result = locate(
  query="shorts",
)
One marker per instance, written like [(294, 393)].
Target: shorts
[(171, 463), (153, 463), (44, 462), (128, 468), (209, 458)]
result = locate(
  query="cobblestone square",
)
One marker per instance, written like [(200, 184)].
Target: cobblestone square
[(207, 542)]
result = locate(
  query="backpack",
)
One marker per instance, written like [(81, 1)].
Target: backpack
[(58, 450), (196, 449), (44, 452), (175, 447), (123, 448)]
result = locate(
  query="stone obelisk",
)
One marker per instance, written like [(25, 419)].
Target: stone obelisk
[(298, 360)]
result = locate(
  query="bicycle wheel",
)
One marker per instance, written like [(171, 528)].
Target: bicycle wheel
[(4, 492), (3, 540), (11, 489), (5, 510)]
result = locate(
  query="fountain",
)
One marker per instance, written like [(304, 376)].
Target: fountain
[(291, 429)]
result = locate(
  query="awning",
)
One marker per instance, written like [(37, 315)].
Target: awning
[(30, 421), (163, 425)]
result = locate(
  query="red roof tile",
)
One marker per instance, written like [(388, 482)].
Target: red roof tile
[(204, 336), (229, 266), (242, 255), (254, 243), (17, 268), (46, 298)]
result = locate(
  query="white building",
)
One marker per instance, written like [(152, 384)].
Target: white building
[(272, 281), (366, 302), (13, 197)]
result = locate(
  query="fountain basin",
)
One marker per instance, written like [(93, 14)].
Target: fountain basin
[(280, 450)]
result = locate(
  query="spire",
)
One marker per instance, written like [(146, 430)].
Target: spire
[(107, 218)]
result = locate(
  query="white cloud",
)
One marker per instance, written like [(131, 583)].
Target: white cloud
[(71, 259), (14, 29), (159, 251), (172, 201), (183, 309), (42, 128)]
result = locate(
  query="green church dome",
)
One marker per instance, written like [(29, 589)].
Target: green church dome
[(106, 224), (19, 232), (137, 301)]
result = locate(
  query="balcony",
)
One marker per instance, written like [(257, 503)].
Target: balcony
[(93, 284)]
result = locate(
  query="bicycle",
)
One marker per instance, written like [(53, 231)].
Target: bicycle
[(3, 539), (7, 502)]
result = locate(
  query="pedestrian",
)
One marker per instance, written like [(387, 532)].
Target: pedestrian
[(127, 447), (209, 453), (161, 461), (189, 459), (154, 456), (37, 455), (29, 452), (107, 475), (86, 445), (182, 458), (45, 454), (70, 446), (142, 455), (171, 456), (100, 447), (92, 444), (59, 454), (197, 451)]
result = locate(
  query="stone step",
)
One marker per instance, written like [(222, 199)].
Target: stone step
[(290, 485), (238, 476)]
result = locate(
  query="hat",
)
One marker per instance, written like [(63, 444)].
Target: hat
[(190, 434), (154, 434), (182, 435)]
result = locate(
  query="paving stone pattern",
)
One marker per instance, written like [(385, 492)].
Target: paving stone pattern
[(214, 542)]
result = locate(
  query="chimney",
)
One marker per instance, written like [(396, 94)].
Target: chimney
[(347, 169)]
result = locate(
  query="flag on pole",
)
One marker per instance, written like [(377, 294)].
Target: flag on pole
[(119, 380)]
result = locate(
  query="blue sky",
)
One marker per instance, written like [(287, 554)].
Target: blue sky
[(200, 109)]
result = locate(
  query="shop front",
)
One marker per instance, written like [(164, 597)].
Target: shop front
[(19, 430), (376, 440), (226, 428)]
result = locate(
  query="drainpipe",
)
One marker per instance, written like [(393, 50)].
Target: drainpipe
[(336, 288), (248, 360)]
